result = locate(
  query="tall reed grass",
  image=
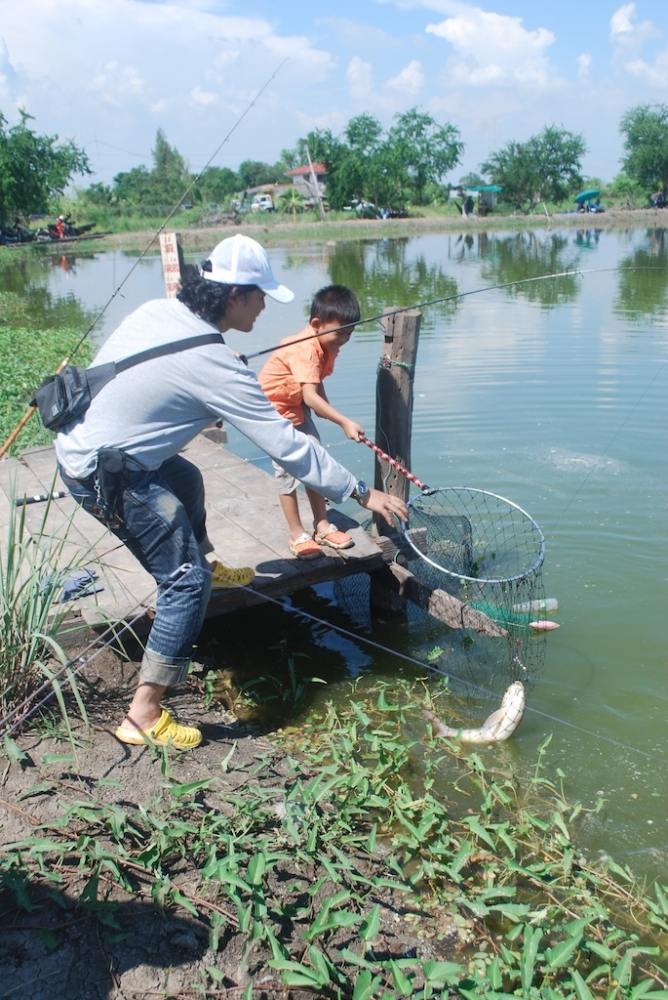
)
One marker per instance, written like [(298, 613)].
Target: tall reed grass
[(33, 568)]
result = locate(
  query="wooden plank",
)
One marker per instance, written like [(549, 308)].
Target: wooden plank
[(442, 605), (244, 521)]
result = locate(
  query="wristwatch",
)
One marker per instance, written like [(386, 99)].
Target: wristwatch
[(360, 492)]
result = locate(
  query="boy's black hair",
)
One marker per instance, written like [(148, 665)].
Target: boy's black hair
[(336, 304), (207, 299)]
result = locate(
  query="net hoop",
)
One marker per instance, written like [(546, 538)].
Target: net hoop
[(533, 568)]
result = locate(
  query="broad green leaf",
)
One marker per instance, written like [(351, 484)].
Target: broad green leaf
[(560, 953), (581, 988), (179, 791), (365, 986), (442, 972), (371, 925), (403, 984)]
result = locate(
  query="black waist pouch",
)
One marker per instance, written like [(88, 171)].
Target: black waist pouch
[(63, 399), (109, 483)]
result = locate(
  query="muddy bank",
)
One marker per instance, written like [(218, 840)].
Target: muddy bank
[(119, 898), (280, 233)]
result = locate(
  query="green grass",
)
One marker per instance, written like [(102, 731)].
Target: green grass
[(35, 336), (33, 568), (340, 878)]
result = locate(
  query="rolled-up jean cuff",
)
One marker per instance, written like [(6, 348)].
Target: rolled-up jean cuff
[(158, 669)]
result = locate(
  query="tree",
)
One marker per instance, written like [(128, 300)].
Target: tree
[(291, 201), (645, 131), (425, 149), (170, 176), (34, 168), (253, 173), (218, 183), (545, 167)]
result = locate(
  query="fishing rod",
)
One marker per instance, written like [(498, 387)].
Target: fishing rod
[(7, 444), (577, 272)]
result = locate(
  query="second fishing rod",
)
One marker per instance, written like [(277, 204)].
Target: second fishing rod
[(386, 314)]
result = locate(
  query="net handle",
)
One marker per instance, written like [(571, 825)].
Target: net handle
[(395, 463)]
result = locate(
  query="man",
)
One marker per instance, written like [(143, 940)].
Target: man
[(121, 461)]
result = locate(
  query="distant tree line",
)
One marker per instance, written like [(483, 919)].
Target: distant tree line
[(405, 164)]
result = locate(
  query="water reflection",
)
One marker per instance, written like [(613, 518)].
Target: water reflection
[(530, 255), (587, 239), (468, 246), (643, 278), (386, 273), (28, 280)]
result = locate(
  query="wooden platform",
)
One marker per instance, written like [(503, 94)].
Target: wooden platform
[(244, 522)]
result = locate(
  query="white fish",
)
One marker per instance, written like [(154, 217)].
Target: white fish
[(496, 727)]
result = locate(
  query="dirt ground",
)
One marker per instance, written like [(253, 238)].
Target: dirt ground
[(57, 949)]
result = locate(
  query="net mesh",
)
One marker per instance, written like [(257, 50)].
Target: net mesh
[(486, 553)]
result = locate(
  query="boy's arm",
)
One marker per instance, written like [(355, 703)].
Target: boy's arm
[(316, 400)]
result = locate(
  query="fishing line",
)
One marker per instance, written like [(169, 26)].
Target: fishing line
[(358, 637), (29, 412), (577, 272)]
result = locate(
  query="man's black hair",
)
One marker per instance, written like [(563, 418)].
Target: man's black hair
[(207, 299), (336, 304)]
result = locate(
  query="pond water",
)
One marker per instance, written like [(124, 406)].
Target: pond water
[(551, 393)]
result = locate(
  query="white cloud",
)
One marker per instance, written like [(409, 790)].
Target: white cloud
[(621, 22), (409, 81), (626, 31), (355, 33), (584, 66), (495, 49), (152, 62), (203, 98), (655, 74), (115, 83), (359, 77)]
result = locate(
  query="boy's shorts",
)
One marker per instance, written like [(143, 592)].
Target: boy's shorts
[(287, 483)]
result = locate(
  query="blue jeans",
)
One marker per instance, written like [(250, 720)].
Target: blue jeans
[(163, 523)]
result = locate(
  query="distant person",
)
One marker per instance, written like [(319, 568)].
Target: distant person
[(121, 461), (59, 227), (293, 380)]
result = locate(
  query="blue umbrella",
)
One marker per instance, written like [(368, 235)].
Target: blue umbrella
[(587, 195)]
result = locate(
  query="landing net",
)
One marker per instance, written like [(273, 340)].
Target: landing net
[(486, 553)]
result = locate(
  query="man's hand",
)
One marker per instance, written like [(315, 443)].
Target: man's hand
[(386, 505), (352, 430)]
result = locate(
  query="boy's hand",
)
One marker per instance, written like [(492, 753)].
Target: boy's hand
[(352, 430), (386, 505)]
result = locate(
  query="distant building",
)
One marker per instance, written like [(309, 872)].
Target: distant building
[(302, 179)]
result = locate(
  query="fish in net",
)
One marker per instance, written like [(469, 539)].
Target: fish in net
[(487, 553)]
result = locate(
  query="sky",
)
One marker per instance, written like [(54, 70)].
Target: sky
[(108, 73)]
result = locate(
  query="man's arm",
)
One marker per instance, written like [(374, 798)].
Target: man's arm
[(316, 400)]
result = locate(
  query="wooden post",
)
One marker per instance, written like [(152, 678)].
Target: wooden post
[(394, 421), (394, 402), (172, 262)]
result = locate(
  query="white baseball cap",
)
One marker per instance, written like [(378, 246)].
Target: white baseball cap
[(239, 260)]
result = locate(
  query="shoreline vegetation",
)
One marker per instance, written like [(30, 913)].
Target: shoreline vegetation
[(349, 855), (279, 231), (313, 860)]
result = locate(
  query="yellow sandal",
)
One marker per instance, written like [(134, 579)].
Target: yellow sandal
[(166, 731), (224, 576)]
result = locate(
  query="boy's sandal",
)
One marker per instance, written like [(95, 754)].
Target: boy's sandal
[(304, 547), (334, 538), (165, 732), (224, 576)]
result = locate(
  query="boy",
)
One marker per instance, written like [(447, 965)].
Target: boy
[(293, 380)]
